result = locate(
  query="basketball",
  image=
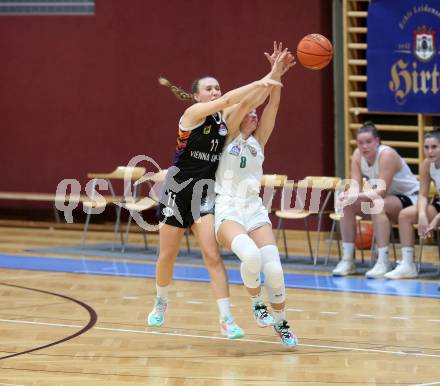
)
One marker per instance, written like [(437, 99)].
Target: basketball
[(364, 236), (314, 51)]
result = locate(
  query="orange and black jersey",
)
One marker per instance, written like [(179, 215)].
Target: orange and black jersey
[(198, 149)]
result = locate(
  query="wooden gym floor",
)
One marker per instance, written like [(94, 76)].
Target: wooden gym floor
[(61, 328)]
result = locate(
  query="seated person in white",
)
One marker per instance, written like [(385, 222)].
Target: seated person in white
[(394, 187), (425, 214)]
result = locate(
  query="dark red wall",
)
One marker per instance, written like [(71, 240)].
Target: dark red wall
[(80, 94)]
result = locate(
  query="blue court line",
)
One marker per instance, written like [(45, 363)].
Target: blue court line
[(306, 281)]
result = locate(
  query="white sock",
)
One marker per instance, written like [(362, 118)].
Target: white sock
[(256, 299), (382, 254), (279, 315), (408, 255), (348, 251), (162, 292), (224, 307)]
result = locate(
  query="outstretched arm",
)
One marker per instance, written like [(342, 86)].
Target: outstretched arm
[(235, 116), (257, 95), (198, 111), (280, 62), (267, 120)]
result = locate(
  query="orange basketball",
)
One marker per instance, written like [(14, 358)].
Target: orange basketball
[(364, 236), (314, 51)]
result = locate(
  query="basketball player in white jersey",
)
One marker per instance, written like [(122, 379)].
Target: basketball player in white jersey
[(392, 181), (425, 214), (241, 221)]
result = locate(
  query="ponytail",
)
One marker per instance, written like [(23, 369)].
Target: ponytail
[(177, 91)]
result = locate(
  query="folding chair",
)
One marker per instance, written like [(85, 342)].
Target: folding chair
[(317, 184), (270, 183), (125, 173), (155, 183)]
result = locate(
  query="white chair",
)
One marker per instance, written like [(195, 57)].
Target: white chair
[(317, 184), (145, 203), (155, 183), (125, 173)]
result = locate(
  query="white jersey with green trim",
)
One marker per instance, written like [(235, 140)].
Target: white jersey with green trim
[(240, 169)]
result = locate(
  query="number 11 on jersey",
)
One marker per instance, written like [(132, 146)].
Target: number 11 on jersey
[(214, 144)]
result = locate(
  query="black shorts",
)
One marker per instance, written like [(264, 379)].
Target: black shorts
[(405, 200), (181, 209), (436, 204)]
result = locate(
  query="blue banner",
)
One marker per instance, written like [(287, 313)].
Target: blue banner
[(403, 56)]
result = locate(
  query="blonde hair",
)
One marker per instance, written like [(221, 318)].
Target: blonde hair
[(178, 92)]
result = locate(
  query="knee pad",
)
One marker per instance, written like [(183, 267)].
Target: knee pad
[(276, 296), (273, 274), (248, 252), (272, 269), (250, 279)]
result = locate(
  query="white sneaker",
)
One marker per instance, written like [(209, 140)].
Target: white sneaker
[(402, 271), (156, 318), (229, 328), (344, 268), (379, 270)]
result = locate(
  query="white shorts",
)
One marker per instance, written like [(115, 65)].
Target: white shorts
[(250, 213)]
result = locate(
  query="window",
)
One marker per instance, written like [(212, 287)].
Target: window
[(47, 7)]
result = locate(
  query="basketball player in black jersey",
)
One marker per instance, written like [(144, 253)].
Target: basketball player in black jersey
[(187, 199)]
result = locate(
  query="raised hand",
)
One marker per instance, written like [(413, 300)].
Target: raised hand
[(288, 62), (283, 58), (277, 48)]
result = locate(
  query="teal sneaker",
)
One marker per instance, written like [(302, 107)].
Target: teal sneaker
[(229, 328), (262, 317), (156, 318), (282, 329)]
